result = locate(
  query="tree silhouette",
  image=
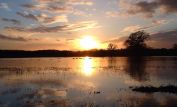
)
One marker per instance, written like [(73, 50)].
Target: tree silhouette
[(112, 46), (137, 40), (175, 46)]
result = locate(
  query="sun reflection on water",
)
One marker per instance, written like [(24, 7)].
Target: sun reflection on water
[(88, 66)]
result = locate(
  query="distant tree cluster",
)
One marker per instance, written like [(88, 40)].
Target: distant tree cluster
[(112, 46), (135, 41)]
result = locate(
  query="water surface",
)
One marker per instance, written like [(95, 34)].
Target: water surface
[(86, 82)]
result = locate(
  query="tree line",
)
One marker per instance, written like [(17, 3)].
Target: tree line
[(135, 46)]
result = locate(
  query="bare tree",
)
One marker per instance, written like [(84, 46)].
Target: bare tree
[(137, 40), (112, 46)]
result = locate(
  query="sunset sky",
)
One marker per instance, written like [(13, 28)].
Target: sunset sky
[(67, 24)]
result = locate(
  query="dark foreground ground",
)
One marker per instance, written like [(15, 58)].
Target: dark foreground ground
[(91, 53)]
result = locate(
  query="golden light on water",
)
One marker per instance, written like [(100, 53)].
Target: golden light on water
[(88, 66)]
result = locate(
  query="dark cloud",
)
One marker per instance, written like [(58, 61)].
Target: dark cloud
[(167, 36), (168, 5), (163, 39), (17, 38), (149, 8), (144, 7), (14, 21), (27, 15)]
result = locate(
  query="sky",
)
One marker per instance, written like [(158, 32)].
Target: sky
[(63, 24)]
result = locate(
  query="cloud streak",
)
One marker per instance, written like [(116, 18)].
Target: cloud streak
[(71, 2), (49, 8), (63, 28), (134, 28), (57, 6), (44, 18), (4, 6), (16, 38), (27, 15), (14, 21)]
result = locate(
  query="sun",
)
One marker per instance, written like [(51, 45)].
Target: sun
[(88, 42)]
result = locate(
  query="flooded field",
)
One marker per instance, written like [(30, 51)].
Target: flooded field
[(86, 82)]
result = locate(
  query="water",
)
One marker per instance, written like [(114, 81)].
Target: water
[(86, 82)]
